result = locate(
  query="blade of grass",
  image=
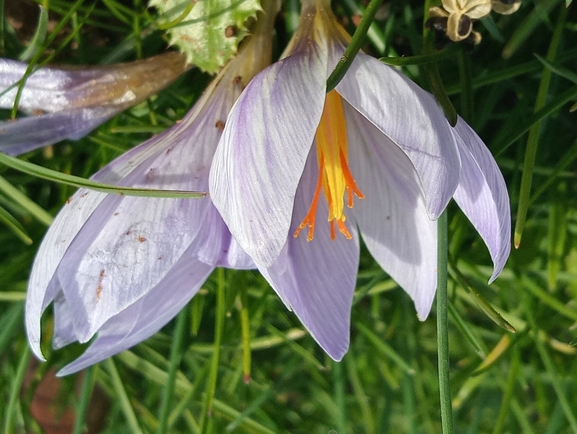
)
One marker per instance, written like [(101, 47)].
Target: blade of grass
[(14, 226), (354, 46), (122, 396), (85, 395), (533, 140), (206, 415), (25, 202), (10, 409), (175, 358), (39, 36), (549, 366), (76, 181)]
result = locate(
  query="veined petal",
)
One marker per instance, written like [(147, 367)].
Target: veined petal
[(26, 134), (317, 279), (162, 162), (409, 116), (96, 272), (76, 101), (262, 152), (53, 89), (214, 245), (393, 217), (146, 316), (482, 195)]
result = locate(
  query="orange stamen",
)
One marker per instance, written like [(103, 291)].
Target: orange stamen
[(311, 214), (335, 178)]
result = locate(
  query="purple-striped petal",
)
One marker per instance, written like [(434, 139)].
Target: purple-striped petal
[(317, 279), (409, 116), (26, 134), (262, 153), (482, 195), (393, 218), (76, 101), (146, 316), (87, 227)]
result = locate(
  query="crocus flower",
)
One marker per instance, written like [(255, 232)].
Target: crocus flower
[(299, 173), (121, 266), (69, 103)]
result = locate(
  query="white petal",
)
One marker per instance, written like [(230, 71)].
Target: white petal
[(145, 317), (393, 218), (409, 116), (317, 278), (263, 150), (482, 195)]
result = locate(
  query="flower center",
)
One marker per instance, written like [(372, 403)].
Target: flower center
[(334, 178)]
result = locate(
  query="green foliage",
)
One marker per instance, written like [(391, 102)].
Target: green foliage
[(501, 382), (207, 31)]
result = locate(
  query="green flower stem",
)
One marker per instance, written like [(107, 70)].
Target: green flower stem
[(85, 395), (442, 329), (339, 391), (354, 46), (213, 374), (175, 357)]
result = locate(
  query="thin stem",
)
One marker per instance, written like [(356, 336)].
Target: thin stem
[(85, 395), (213, 375), (15, 391), (354, 46), (442, 329), (175, 357), (245, 330)]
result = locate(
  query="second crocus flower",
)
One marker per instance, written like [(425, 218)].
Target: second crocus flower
[(121, 267), (299, 173)]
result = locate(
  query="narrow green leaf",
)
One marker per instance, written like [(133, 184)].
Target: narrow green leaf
[(10, 408), (24, 201), (39, 36), (354, 46), (557, 235), (480, 301), (528, 26), (445, 53), (14, 226), (559, 70), (385, 349), (533, 139), (122, 396), (76, 181)]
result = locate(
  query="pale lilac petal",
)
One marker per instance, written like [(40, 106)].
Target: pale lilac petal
[(262, 153), (146, 316), (63, 333), (74, 102), (409, 116), (52, 89), (393, 218), (215, 245), (26, 134), (482, 195), (85, 215), (97, 271), (317, 279)]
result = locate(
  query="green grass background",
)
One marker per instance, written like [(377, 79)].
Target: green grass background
[(501, 382)]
